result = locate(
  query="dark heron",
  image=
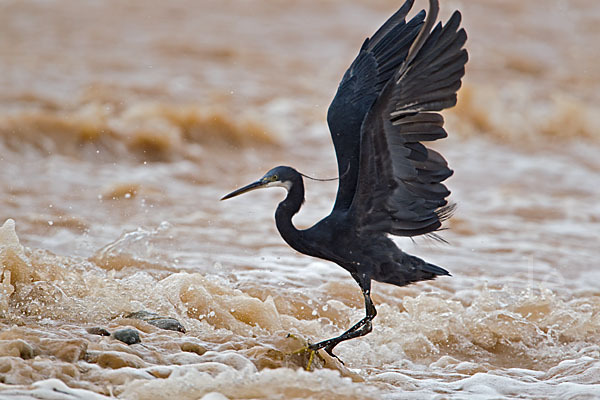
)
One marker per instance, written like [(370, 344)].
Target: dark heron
[(389, 182)]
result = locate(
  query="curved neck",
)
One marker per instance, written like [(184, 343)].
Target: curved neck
[(286, 210)]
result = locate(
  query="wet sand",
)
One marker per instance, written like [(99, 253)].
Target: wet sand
[(123, 123)]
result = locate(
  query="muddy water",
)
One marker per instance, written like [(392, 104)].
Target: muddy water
[(122, 123)]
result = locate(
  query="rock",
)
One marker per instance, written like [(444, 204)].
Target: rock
[(127, 336), (96, 330), (167, 323), (143, 315)]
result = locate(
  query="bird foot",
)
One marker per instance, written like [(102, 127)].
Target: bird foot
[(309, 348), (313, 349)]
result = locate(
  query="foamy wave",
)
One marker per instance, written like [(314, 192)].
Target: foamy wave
[(54, 389), (146, 130), (518, 114), (497, 325), (234, 376), (241, 333), (133, 249), (15, 265)]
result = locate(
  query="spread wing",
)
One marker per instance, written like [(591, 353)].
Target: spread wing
[(378, 60), (399, 188)]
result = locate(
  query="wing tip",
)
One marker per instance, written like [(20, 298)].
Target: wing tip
[(446, 212)]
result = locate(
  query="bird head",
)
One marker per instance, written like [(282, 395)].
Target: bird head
[(278, 176)]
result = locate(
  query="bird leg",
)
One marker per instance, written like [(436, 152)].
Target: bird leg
[(361, 328)]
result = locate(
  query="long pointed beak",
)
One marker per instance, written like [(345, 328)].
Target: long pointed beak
[(247, 188)]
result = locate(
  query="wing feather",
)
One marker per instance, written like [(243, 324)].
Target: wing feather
[(399, 183), (376, 63)]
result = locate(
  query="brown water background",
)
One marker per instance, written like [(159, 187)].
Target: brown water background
[(123, 123)]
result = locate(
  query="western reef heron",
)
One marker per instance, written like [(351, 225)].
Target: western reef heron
[(389, 183)]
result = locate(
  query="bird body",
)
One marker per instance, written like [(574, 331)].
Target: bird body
[(389, 182), (380, 260)]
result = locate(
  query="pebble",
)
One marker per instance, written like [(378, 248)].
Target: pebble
[(127, 336), (96, 330), (167, 323)]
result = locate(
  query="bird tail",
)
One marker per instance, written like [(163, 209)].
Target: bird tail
[(408, 270)]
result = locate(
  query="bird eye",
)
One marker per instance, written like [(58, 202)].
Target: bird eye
[(274, 178)]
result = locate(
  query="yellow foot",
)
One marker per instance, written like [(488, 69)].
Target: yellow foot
[(306, 349), (311, 355)]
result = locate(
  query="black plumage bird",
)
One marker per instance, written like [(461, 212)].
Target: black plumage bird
[(389, 182)]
